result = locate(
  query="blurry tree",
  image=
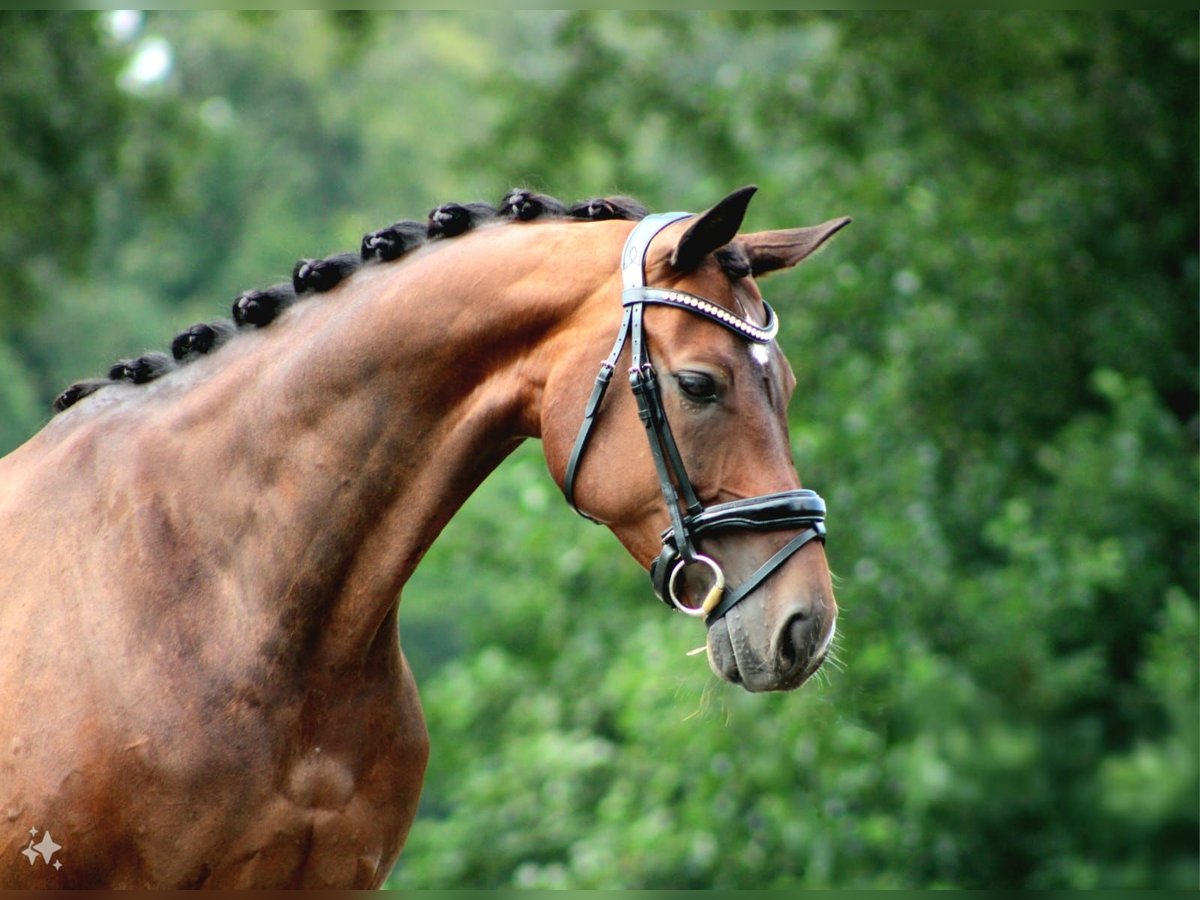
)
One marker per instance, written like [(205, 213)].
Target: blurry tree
[(997, 371), (60, 127)]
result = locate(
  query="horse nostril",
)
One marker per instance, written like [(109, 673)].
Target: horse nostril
[(795, 641)]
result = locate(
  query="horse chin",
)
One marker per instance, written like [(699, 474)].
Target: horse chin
[(744, 667)]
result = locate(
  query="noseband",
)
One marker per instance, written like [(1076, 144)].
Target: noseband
[(690, 519)]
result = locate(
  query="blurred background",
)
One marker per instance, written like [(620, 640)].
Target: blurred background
[(997, 396)]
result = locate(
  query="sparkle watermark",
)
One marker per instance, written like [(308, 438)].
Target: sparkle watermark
[(45, 848)]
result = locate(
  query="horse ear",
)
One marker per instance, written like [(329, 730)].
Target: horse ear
[(771, 250), (712, 230)]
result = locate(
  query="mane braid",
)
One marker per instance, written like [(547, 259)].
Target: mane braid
[(202, 338), (602, 209), (394, 241), (322, 275), (525, 206), (77, 391), (453, 219), (142, 369), (259, 308)]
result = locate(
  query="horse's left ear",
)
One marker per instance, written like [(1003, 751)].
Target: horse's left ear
[(771, 250), (712, 230)]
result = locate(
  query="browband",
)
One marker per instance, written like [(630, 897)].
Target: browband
[(760, 334)]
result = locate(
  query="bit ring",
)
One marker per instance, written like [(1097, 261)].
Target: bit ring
[(711, 599)]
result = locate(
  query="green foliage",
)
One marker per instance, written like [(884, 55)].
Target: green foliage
[(996, 366), (997, 396), (60, 121)]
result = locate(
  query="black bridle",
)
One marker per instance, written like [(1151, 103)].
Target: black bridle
[(690, 519)]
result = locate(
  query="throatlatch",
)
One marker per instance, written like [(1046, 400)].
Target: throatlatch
[(690, 519)]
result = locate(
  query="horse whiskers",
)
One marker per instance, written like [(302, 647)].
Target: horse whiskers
[(704, 703), (835, 662), (832, 659), (697, 651)]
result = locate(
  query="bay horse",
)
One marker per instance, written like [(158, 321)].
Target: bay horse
[(201, 671)]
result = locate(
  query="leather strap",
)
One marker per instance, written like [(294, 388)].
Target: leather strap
[(770, 512), (589, 414), (633, 274), (764, 571)]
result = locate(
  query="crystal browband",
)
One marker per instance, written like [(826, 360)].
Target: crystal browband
[(761, 334)]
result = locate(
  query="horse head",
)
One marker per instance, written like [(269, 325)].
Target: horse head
[(691, 468)]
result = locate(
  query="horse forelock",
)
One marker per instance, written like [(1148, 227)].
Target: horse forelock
[(258, 308)]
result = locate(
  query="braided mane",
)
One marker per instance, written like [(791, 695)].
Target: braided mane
[(258, 308)]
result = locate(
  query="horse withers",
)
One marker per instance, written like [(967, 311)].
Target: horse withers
[(203, 555)]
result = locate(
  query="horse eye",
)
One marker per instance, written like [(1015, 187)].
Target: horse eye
[(697, 386)]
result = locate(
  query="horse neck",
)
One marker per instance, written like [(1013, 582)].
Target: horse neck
[(319, 460)]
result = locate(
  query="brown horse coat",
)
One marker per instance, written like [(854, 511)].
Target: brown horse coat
[(201, 675)]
